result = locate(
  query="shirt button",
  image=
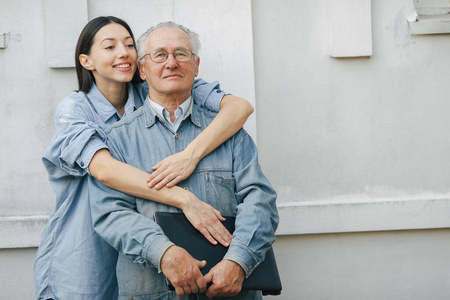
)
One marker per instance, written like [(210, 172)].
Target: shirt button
[(186, 188), (176, 135), (250, 267)]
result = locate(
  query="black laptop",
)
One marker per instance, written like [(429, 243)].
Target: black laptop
[(180, 231)]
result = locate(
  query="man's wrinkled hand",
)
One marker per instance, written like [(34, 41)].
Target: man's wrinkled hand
[(183, 271), (226, 279)]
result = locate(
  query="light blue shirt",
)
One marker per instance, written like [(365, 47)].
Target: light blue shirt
[(181, 113), (72, 261), (229, 178)]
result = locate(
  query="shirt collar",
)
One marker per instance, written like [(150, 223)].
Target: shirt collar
[(104, 108), (183, 110), (154, 110)]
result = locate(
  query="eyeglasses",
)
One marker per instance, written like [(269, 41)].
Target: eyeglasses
[(160, 56)]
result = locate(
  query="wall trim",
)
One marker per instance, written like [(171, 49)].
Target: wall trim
[(310, 217), (351, 28), (21, 232), (362, 216), (64, 20), (434, 24)]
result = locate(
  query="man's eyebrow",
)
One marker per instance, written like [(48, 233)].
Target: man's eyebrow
[(165, 49)]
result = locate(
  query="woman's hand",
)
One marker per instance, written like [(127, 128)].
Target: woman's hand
[(172, 170), (206, 219)]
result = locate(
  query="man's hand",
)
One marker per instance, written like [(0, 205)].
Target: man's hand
[(226, 278), (183, 271)]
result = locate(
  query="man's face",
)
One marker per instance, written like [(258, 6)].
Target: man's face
[(169, 78)]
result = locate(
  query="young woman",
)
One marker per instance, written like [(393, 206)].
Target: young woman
[(72, 261)]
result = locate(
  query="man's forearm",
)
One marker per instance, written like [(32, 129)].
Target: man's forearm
[(257, 215), (116, 220)]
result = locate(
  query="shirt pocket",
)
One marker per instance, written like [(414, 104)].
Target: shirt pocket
[(220, 187)]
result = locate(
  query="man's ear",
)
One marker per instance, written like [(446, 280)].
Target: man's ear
[(86, 62), (141, 71), (196, 66)]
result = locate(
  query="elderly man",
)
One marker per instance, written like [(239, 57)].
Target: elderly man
[(229, 179)]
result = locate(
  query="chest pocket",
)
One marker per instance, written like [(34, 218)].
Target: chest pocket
[(220, 188)]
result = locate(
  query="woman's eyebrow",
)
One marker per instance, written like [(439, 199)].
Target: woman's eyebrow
[(108, 39), (113, 39)]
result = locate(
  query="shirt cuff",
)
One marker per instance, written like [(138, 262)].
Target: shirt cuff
[(155, 249), (242, 255), (88, 152)]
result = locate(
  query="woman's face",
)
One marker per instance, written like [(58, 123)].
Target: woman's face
[(112, 58)]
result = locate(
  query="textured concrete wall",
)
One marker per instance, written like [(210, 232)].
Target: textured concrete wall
[(36, 74), (356, 144)]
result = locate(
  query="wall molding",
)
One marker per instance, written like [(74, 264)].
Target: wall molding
[(433, 24), (21, 232), (351, 28), (64, 20), (311, 217), (362, 216)]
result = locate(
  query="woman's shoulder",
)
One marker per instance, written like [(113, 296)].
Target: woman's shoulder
[(72, 100), (73, 103)]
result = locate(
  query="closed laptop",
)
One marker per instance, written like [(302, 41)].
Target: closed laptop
[(180, 231)]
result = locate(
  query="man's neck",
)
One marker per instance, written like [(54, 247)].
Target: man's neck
[(169, 101), (174, 119)]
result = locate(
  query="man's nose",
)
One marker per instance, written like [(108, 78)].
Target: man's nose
[(171, 62)]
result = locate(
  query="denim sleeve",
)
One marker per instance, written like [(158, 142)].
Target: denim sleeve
[(117, 221), (142, 89), (75, 141), (207, 94), (257, 215)]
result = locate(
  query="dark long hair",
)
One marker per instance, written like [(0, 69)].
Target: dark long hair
[(84, 44)]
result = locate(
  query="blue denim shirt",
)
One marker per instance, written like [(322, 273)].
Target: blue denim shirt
[(72, 261), (229, 178)]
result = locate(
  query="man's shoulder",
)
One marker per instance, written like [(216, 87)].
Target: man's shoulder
[(209, 114), (128, 121)]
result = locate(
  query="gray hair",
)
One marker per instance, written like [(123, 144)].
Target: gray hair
[(142, 49)]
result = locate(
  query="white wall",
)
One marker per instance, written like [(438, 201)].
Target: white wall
[(393, 265), (34, 77), (351, 144), (366, 130)]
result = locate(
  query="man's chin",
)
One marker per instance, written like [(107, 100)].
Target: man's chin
[(174, 85)]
